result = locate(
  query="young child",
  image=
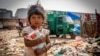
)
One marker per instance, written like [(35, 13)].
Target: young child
[(36, 38)]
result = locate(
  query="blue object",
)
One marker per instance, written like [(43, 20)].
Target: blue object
[(77, 26), (77, 29), (73, 15)]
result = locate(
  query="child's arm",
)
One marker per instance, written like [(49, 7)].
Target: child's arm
[(31, 43), (44, 49), (48, 46)]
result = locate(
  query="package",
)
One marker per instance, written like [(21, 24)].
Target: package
[(33, 35)]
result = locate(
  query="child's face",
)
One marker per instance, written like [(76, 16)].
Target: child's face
[(36, 20)]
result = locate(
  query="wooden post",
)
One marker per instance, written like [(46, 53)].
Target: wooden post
[(81, 26)]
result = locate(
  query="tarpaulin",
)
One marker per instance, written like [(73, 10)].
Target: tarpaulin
[(73, 15)]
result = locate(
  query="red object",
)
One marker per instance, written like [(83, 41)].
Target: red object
[(87, 16), (33, 36)]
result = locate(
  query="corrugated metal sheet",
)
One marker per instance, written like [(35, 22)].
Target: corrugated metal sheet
[(21, 13), (5, 13)]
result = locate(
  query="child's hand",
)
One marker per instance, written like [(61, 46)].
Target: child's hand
[(40, 51)]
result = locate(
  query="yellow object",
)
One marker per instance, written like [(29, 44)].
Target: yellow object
[(21, 44)]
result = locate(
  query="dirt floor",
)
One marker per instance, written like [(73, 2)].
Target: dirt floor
[(12, 45)]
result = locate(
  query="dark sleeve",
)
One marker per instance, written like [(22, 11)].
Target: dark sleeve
[(31, 43), (48, 46), (47, 39)]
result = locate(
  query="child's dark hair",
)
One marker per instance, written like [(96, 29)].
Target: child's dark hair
[(35, 9)]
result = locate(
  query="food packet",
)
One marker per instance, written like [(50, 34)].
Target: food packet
[(33, 35)]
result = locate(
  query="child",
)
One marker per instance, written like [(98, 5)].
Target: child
[(36, 38)]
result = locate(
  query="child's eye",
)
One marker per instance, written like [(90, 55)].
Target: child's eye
[(33, 17), (39, 17)]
